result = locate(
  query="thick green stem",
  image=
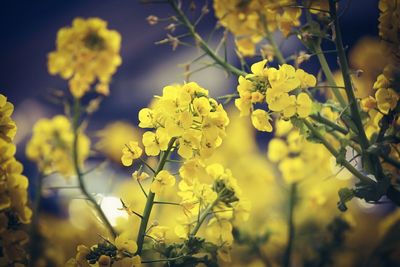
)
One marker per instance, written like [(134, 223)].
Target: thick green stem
[(202, 44), (150, 200), (290, 226), (335, 153), (79, 173)]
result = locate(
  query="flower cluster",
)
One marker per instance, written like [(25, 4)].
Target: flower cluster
[(14, 211), (87, 54), (282, 89), (118, 253), (187, 114), (51, 146), (297, 158), (250, 21), (387, 96), (222, 199)]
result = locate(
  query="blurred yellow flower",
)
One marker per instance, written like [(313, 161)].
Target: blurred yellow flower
[(85, 53), (162, 180)]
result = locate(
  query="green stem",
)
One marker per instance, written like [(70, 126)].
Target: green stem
[(35, 236), (355, 112), (277, 51), (328, 74), (329, 123), (150, 199), (335, 153), (202, 217), (290, 224), (202, 44), (79, 172)]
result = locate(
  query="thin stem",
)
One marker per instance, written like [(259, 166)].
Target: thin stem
[(355, 112), (290, 226), (272, 42), (201, 43), (166, 203), (34, 230), (328, 74), (163, 260), (141, 187), (79, 173), (150, 200), (319, 118), (203, 216), (147, 165)]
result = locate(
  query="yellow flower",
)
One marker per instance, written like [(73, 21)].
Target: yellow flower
[(134, 261), (277, 100), (163, 179), (202, 106), (300, 105), (130, 152), (277, 150), (368, 103), (306, 80), (146, 118), (220, 231), (261, 120), (258, 69), (113, 138), (155, 142), (51, 145), (7, 125), (189, 142), (86, 52), (386, 99), (284, 79), (159, 233), (140, 176), (245, 47), (125, 243), (381, 82)]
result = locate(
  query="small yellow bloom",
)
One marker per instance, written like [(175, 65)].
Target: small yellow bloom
[(130, 152), (277, 150), (155, 142), (284, 79), (125, 243), (146, 118), (202, 106), (261, 120), (163, 179), (245, 47), (386, 99), (277, 100), (159, 233), (368, 103), (300, 105), (306, 80), (140, 176)]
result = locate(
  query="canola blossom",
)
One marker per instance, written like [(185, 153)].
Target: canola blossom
[(193, 182), (15, 211), (87, 54)]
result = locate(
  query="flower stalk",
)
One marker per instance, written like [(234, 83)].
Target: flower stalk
[(79, 173), (150, 199)]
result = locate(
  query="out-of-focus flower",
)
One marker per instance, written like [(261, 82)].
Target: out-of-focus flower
[(86, 53)]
